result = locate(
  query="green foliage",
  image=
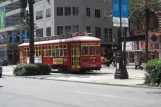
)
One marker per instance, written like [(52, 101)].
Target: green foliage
[(137, 9), (32, 69), (43, 69), (153, 72)]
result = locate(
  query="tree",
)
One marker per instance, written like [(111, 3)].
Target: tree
[(140, 10), (31, 24), (137, 9)]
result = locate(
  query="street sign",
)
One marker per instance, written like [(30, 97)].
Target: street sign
[(116, 12)]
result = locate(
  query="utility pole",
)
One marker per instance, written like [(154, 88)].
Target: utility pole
[(147, 28)]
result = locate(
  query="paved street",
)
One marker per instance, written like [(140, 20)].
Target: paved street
[(25, 92), (104, 76)]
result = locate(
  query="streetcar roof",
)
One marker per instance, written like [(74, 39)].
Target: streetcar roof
[(73, 39)]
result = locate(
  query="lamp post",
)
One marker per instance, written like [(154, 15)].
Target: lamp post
[(121, 72), (114, 52)]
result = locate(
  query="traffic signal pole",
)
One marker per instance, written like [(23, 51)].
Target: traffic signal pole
[(31, 30)]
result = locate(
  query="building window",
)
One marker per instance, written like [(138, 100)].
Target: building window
[(67, 11), (39, 15), (59, 30), (89, 30), (48, 12), (59, 11), (98, 32), (97, 13), (106, 34), (48, 31), (39, 32), (67, 29), (75, 11), (75, 29), (88, 12), (110, 35)]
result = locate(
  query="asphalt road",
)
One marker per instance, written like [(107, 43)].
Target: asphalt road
[(23, 92)]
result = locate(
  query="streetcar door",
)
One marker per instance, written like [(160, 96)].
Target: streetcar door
[(75, 56)]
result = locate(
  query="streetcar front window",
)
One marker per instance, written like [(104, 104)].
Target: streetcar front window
[(98, 50), (92, 49), (84, 49)]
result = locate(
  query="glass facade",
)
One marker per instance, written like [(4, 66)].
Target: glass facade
[(1, 1), (13, 6), (12, 20)]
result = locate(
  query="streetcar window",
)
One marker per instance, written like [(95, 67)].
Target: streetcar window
[(40, 51), (28, 52), (45, 51), (61, 50), (98, 50), (57, 50), (84, 49), (65, 50), (25, 52), (54, 51), (49, 50), (36, 51), (92, 49)]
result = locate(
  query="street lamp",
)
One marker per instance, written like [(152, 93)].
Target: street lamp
[(121, 72)]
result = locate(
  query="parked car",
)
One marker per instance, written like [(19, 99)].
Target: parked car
[(105, 61), (3, 62)]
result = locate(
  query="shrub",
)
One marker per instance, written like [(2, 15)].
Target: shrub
[(32, 69), (43, 69), (153, 72)]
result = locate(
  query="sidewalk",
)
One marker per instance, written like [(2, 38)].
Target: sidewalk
[(105, 76)]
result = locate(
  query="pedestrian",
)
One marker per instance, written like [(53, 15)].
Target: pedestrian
[(140, 64), (136, 59)]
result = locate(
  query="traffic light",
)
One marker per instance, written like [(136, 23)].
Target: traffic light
[(18, 38), (10, 39)]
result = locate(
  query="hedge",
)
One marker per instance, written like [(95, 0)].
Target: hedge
[(153, 72), (32, 69)]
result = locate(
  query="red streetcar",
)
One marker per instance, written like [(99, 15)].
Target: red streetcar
[(75, 54)]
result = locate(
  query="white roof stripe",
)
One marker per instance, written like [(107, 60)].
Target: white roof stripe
[(73, 39)]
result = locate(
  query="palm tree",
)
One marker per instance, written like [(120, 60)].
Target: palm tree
[(31, 24)]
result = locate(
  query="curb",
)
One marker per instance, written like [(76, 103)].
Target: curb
[(86, 82)]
